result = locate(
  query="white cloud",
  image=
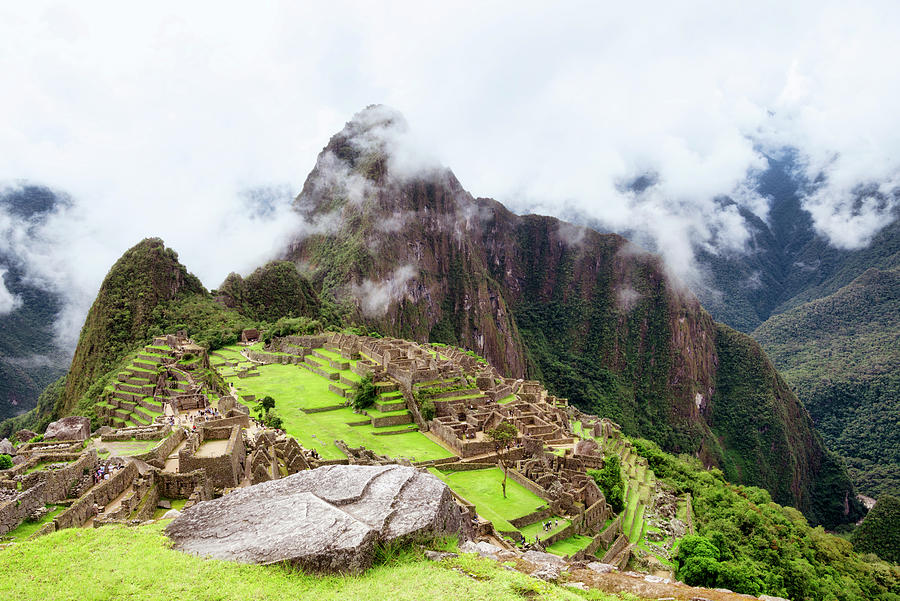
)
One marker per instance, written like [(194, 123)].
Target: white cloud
[(157, 118), (375, 297)]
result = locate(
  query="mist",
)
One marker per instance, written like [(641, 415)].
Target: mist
[(199, 122)]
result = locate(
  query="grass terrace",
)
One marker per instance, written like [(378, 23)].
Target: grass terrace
[(570, 546), (482, 487), (296, 389)]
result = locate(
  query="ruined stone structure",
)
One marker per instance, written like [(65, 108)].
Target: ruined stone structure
[(224, 466)]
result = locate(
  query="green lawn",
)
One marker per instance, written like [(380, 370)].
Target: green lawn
[(482, 487), (115, 562), (295, 388), (536, 529), (291, 386), (570, 546)]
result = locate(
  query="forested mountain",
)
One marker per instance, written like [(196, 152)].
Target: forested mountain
[(841, 353), (29, 357), (412, 254)]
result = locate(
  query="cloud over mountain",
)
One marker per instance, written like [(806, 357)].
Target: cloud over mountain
[(158, 119)]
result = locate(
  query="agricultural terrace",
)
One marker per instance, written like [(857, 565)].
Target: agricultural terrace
[(316, 415)]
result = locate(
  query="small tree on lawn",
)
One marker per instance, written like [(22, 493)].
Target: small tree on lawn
[(365, 394), (503, 436), (263, 407)]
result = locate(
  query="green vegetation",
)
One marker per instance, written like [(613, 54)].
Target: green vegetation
[(503, 436), (757, 420), (145, 276), (298, 389), (265, 412), (570, 546), (86, 564), (483, 488), (840, 354), (609, 479), (275, 290), (879, 533), (29, 527), (6, 462), (762, 546), (365, 394)]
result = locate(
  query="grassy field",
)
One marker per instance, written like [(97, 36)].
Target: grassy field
[(570, 546), (289, 385), (536, 529), (115, 563), (482, 487), (295, 388)]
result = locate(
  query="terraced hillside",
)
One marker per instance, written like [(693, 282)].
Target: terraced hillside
[(311, 392), (136, 398)]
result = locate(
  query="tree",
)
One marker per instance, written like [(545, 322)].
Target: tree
[(503, 436), (365, 394), (6, 462), (263, 407), (698, 561), (609, 479)]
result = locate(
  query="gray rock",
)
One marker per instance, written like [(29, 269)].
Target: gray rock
[(25, 435), (69, 428), (656, 579), (439, 555), (6, 447), (601, 568), (578, 585), (770, 598), (164, 504), (548, 572), (171, 514), (536, 557), (482, 548), (324, 520)]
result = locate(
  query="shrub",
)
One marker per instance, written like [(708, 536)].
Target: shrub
[(5, 462), (428, 410), (609, 479)]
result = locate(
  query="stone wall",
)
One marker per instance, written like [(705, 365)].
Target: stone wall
[(224, 471), (59, 482), (518, 477), (14, 511), (158, 455), (83, 509), (620, 544), (154, 432), (190, 485)]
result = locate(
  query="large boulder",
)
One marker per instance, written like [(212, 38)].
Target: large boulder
[(24, 435), (326, 520), (69, 428), (6, 447)]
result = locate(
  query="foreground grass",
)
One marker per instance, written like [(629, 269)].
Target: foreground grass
[(118, 563)]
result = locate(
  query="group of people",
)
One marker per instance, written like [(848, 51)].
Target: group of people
[(550, 525), (311, 453), (104, 471)]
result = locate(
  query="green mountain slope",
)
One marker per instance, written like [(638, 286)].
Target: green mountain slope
[(595, 317), (841, 355), (29, 356)]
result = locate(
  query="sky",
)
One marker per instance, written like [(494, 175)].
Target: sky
[(198, 122)]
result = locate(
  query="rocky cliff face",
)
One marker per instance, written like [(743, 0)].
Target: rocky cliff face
[(406, 249)]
